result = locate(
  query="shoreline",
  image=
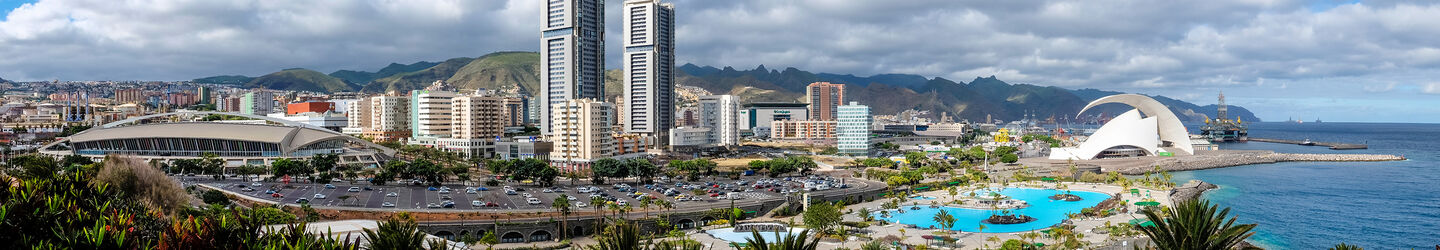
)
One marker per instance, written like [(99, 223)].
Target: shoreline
[(1204, 159)]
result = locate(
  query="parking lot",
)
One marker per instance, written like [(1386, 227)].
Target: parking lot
[(416, 197)]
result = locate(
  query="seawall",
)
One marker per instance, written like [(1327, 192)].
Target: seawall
[(1240, 158)]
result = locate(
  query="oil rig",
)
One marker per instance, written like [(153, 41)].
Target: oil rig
[(1222, 129)]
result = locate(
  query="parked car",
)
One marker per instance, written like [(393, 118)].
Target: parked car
[(432, 205), (354, 189), (580, 204), (444, 191), (533, 201), (477, 203), (470, 191), (257, 184), (387, 204), (392, 194), (277, 195), (329, 186), (302, 201), (319, 196)]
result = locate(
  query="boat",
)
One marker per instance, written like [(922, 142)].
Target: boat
[(1307, 142)]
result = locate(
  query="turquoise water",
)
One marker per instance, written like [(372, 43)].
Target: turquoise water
[(729, 234), (1315, 205), (922, 198), (1046, 212)]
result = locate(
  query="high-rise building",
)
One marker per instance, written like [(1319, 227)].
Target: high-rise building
[(852, 129), (133, 95), (389, 118), (649, 64), (572, 49), (720, 114), (430, 113), (205, 95), (515, 111), (477, 122), (824, 97), (358, 116), (581, 133), (257, 103)]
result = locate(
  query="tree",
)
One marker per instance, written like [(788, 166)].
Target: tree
[(641, 168), (398, 232), (946, 220), (1343, 246), (603, 168), (489, 240), (562, 204), (214, 197), (283, 167), (822, 216), (1009, 158), (788, 242), (1195, 224), (915, 158), (324, 163)]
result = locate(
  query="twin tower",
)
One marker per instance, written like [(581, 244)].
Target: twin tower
[(572, 51)]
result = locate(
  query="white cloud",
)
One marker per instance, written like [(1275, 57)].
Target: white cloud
[(1431, 88)]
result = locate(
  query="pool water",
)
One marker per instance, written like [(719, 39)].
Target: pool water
[(1046, 212), (729, 234), (922, 197)]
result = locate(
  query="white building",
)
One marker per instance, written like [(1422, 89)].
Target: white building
[(721, 113), (1131, 134), (649, 64), (852, 129), (572, 52), (430, 114), (328, 120), (581, 133), (689, 137), (758, 115), (389, 118)]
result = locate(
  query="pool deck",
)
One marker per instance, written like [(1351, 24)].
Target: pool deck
[(974, 240)]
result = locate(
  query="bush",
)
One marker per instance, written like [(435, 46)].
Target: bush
[(137, 179), (215, 197), (492, 183), (1013, 244)]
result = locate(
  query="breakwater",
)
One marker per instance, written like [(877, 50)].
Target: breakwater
[(1190, 190), (1332, 145), (1208, 161)]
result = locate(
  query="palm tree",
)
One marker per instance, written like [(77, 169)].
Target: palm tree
[(995, 239), (788, 242), (645, 203), (399, 232), (562, 204), (1195, 224), (597, 203), (945, 219), (1343, 246)]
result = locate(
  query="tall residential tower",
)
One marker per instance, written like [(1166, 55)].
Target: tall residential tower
[(572, 49), (649, 63), (824, 99)]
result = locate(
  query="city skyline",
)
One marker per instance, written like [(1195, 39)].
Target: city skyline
[(1332, 60)]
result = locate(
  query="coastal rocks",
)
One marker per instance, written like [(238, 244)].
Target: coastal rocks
[(1009, 219), (1190, 190), (1066, 197)]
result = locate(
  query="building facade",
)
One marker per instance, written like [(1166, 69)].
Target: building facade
[(581, 133), (721, 113), (649, 64), (824, 99), (303, 107), (572, 52), (430, 114), (389, 118), (525, 147), (803, 130), (358, 117), (852, 129), (762, 114), (257, 103)]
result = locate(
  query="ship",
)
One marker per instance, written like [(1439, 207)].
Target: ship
[(1222, 129)]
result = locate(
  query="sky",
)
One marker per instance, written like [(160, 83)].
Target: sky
[(1364, 61)]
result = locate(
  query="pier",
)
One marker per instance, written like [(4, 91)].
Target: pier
[(1332, 145)]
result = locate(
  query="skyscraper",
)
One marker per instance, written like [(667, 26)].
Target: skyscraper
[(572, 48), (853, 129), (257, 103), (649, 65), (824, 97)]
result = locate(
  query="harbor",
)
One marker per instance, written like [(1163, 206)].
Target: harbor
[(1307, 142), (1204, 159)]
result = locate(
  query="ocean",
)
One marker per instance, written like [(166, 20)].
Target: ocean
[(1315, 205)]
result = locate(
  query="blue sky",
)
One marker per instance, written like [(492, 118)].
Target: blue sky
[(1339, 60), (7, 5)]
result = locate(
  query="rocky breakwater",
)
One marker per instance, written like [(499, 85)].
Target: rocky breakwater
[(1241, 158), (1190, 190)]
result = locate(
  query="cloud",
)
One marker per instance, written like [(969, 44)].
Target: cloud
[(1157, 47), (1431, 88)]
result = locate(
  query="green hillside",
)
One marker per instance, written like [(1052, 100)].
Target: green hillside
[(500, 71), (362, 77), (300, 79), (419, 79), (235, 79)]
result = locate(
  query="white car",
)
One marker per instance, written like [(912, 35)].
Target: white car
[(257, 184), (547, 190), (387, 204), (580, 204), (392, 194), (621, 202), (444, 191), (477, 203), (470, 191), (354, 189), (319, 196), (527, 195), (533, 201)]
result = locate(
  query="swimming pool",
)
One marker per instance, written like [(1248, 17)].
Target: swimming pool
[(917, 197), (729, 234), (1046, 212)]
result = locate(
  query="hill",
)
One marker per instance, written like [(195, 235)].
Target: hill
[(362, 77), (418, 79), (517, 72), (301, 80), (233, 79)]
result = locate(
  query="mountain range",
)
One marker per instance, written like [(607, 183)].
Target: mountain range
[(518, 72)]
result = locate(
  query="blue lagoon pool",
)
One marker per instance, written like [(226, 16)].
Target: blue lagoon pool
[(1046, 212)]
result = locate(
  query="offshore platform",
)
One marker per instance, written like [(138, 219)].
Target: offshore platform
[(1223, 129)]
